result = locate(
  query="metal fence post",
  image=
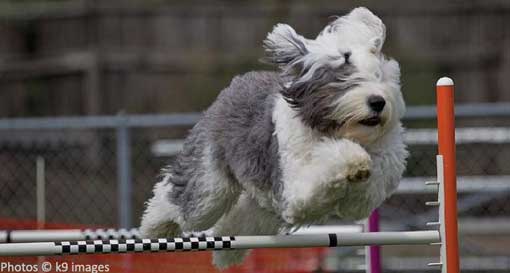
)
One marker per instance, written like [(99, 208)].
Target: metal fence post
[(124, 173)]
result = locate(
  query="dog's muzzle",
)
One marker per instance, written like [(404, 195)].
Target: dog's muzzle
[(371, 121), (376, 104)]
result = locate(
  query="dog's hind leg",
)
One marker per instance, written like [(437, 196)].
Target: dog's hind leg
[(245, 218), (161, 218), (208, 195), (190, 199)]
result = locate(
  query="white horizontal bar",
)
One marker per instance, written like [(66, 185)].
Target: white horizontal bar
[(219, 243), (167, 147), (343, 239), (54, 235), (490, 135), (485, 226), (461, 111), (465, 184), (326, 229), (28, 249), (46, 235)]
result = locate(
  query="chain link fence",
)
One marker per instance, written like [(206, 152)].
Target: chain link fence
[(99, 171)]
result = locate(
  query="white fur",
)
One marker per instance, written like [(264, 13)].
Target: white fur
[(357, 28), (161, 215), (353, 108), (314, 169), (387, 155), (360, 33)]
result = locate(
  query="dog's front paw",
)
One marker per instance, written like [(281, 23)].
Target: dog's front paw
[(358, 171), (353, 164), (335, 166)]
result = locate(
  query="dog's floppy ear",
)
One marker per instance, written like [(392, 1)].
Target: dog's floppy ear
[(283, 46), (374, 24)]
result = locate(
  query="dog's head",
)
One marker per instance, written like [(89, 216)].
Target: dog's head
[(340, 83)]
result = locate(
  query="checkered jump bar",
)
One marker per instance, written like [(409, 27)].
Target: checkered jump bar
[(218, 243)]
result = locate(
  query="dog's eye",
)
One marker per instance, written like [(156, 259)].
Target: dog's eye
[(347, 55)]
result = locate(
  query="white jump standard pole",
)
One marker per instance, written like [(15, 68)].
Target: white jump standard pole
[(218, 243)]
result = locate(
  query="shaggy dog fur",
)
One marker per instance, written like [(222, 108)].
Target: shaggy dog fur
[(321, 138)]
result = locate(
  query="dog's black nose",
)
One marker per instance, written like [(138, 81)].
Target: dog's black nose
[(347, 55), (376, 103)]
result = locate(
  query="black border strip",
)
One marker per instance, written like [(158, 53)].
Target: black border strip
[(333, 240)]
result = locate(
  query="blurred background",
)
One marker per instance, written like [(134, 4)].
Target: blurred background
[(101, 94)]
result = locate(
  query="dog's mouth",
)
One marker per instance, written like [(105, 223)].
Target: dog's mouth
[(371, 121)]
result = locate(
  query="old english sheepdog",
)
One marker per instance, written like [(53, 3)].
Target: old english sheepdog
[(321, 138)]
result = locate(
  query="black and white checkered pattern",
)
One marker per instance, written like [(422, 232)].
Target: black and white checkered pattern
[(105, 234), (144, 245)]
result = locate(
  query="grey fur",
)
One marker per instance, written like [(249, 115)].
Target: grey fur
[(313, 98), (241, 115), (307, 88)]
